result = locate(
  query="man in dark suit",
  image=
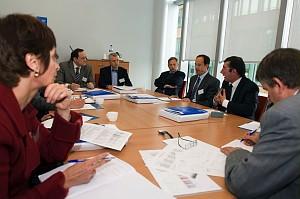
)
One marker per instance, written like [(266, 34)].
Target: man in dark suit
[(275, 159), (239, 95), (76, 73), (203, 87), (170, 82), (113, 75)]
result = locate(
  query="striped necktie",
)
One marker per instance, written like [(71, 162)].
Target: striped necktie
[(77, 74)]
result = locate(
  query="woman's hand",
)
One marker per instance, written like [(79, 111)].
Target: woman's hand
[(82, 173), (58, 94)]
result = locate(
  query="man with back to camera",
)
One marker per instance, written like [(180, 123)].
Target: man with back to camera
[(203, 87), (239, 95), (272, 170), (76, 72), (113, 75), (170, 82)]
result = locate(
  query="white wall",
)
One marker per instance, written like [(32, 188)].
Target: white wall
[(95, 24)]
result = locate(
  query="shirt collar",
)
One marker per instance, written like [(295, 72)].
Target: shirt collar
[(236, 82), (203, 75), (75, 66)]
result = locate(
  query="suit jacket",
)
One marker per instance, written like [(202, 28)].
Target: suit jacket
[(272, 170), (66, 74), (25, 144), (175, 79), (105, 77), (244, 100), (209, 85)]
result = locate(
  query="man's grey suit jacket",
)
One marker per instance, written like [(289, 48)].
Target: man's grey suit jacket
[(272, 170), (66, 74), (209, 86)]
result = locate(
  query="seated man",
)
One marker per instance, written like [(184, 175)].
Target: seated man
[(76, 73), (239, 95), (44, 108), (170, 82), (203, 87), (113, 75), (272, 170)]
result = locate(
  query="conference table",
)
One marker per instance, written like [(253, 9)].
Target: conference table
[(143, 121)]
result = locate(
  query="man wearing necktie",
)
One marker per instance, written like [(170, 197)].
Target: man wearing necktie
[(76, 73), (170, 82), (202, 87), (239, 95), (276, 154), (113, 75)]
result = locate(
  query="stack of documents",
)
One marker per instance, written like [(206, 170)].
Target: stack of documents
[(114, 180), (184, 113), (183, 172), (102, 93), (124, 89), (142, 98), (104, 136)]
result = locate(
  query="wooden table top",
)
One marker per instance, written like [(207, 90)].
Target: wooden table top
[(144, 122)]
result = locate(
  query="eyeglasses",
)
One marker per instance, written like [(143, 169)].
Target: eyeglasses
[(186, 143)]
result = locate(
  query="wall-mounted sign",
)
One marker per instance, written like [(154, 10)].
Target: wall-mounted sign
[(42, 19)]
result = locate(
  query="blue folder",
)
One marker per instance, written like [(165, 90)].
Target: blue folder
[(185, 110), (99, 92)]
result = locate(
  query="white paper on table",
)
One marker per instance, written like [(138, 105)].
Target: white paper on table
[(89, 100), (48, 123), (104, 136), (81, 89), (239, 144), (178, 183), (174, 141), (115, 179), (202, 158), (85, 107), (251, 126), (148, 156), (166, 158)]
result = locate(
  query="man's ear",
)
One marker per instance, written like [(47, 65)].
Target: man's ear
[(32, 62), (278, 82)]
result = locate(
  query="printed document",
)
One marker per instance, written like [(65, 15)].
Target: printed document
[(104, 136), (114, 180)]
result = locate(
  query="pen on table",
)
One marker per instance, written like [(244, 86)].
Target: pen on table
[(83, 160), (249, 133)]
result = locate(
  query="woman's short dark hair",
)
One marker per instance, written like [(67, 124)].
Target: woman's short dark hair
[(237, 63), (282, 63), (21, 34)]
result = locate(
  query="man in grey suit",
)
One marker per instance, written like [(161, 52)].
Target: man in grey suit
[(272, 170), (202, 87), (76, 72)]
